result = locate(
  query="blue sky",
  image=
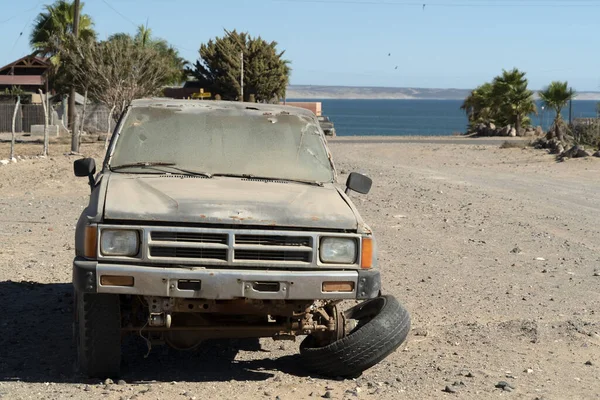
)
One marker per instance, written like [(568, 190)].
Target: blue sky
[(449, 44)]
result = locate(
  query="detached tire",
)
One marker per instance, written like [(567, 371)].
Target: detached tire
[(98, 334), (383, 325)]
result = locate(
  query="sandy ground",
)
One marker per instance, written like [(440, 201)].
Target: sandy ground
[(494, 252)]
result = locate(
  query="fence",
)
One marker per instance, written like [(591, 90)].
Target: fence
[(585, 121), (96, 117), (27, 115)]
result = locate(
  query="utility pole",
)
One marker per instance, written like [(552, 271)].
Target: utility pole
[(71, 124), (242, 47), (242, 76), (571, 112)]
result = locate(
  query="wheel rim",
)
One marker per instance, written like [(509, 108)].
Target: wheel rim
[(364, 312), (361, 313)]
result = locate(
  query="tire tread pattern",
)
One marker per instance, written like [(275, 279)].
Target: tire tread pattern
[(100, 335), (362, 349)]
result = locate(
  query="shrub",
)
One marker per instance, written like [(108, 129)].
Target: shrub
[(587, 134)]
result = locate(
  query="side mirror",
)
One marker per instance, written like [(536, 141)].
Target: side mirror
[(85, 167), (359, 183)]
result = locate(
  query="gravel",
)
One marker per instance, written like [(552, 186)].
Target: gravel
[(449, 389), (445, 273)]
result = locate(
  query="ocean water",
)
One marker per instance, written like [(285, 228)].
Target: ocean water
[(418, 117)]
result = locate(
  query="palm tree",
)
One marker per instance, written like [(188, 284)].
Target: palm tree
[(556, 96), (478, 105), (513, 98), (144, 37), (54, 26)]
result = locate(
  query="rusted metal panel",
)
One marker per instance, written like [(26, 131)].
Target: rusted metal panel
[(230, 201), (226, 284), (314, 106)]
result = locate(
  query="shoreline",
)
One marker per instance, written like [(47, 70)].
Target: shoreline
[(426, 139), (366, 139)]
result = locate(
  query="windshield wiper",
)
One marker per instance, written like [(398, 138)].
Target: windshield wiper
[(152, 164), (270, 178), (142, 164)]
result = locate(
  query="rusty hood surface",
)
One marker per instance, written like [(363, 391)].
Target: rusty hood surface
[(223, 200)]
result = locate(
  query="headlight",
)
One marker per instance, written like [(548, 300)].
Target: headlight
[(119, 243), (338, 250)]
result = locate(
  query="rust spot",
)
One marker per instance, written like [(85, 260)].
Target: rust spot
[(315, 218), (202, 216)]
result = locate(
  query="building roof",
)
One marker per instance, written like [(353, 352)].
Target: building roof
[(29, 61), (26, 71), (21, 80)]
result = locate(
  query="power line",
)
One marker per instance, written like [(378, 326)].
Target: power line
[(24, 26), (137, 25), (525, 3), (22, 12), (122, 15)]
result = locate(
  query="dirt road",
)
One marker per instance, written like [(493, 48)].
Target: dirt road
[(496, 254)]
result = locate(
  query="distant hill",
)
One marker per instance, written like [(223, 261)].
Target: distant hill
[(357, 92)]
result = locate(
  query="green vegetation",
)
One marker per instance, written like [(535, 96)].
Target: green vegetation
[(266, 73), (52, 29), (114, 71), (10, 95), (55, 26), (506, 100), (143, 38), (556, 96), (587, 134), (14, 91)]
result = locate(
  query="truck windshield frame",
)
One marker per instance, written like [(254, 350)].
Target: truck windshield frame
[(224, 140)]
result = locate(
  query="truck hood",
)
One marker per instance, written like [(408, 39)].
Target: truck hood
[(222, 200)]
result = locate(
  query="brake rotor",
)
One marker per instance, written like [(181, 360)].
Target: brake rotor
[(340, 323)]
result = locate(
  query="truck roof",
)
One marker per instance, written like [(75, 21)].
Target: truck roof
[(220, 104)]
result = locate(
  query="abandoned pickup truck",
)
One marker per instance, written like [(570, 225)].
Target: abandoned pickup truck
[(223, 220)]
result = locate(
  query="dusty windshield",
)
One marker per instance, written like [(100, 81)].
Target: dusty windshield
[(225, 140)]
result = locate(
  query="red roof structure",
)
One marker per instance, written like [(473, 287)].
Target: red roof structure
[(21, 80), (28, 72)]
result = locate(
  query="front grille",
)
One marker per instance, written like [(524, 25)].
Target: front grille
[(229, 247), (187, 252), (190, 237), (284, 256), (271, 240)]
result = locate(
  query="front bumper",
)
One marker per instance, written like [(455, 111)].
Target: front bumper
[(224, 284)]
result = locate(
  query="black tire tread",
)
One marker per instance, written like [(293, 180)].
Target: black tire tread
[(362, 349), (100, 335)]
